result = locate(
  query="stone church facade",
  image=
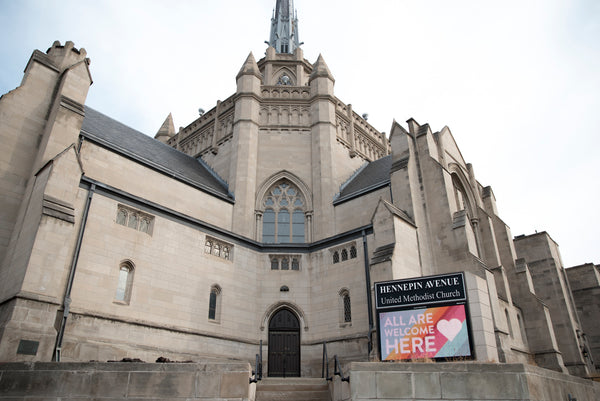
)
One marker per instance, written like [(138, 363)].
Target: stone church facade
[(264, 221)]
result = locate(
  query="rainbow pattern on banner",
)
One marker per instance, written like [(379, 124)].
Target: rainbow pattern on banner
[(439, 332)]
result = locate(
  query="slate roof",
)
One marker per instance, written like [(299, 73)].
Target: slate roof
[(152, 153), (370, 177)]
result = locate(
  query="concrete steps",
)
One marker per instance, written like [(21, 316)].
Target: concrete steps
[(292, 389)]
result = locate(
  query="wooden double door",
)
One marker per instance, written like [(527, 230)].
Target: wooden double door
[(284, 345)]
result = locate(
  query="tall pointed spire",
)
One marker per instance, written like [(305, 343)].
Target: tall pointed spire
[(284, 28)]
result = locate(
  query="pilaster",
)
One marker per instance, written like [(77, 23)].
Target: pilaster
[(323, 134), (244, 153)]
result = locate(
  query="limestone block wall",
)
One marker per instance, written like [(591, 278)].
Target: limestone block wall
[(358, 212), (461, 381), (172, 276), (543, 260), (206, 380), (585, 287), (108, 168)]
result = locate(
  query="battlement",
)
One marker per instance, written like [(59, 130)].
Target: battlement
[(67, 55)]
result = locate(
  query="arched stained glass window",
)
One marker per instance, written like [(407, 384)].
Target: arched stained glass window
[(284, 218)]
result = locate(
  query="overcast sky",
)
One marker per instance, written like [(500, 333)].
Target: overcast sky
[(517, 82)]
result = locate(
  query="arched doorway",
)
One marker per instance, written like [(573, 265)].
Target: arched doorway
[(284, 344)]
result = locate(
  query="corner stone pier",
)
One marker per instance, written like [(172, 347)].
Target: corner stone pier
[(51, 381), (464, 381)]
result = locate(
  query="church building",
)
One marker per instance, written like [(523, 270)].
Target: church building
[(267, 225)]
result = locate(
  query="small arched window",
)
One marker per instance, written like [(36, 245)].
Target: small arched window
[(133, 221), (352, 252), (122, 217), (124, 283), (336, 257), (344, 255), (214, 303), (345, 307)]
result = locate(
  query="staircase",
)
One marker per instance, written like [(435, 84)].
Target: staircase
[(292, 389)]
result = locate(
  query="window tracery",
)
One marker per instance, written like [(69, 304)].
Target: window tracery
[(284, 214), (285, 262), (135, 219), (218, 248), (342, 254)]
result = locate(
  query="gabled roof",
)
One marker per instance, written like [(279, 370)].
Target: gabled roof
[(152, 153), (370, 177)]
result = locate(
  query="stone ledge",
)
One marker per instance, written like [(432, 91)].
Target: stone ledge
[(465, 381), (86, 381)]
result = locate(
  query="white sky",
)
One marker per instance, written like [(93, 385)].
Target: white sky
[(517, 82)]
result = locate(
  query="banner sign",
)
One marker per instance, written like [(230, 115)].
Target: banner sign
[(423, 317), (438, 332), (420, 291)]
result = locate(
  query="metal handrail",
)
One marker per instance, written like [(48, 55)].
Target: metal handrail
[(258, 364), (338, 370), (337, 367), (325, 364)]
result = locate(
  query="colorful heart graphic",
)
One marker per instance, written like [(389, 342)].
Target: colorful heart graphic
[(449, 328)]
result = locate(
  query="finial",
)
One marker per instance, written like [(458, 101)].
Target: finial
[(320, 69), (167, 129), (250, 67)]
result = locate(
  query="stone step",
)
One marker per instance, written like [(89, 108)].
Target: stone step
[(292, 389)]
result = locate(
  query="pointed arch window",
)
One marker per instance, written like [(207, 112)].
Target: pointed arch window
[(284, 214), (466, 215), (214, 303), (352, 252), (345, 307), (124, 283)]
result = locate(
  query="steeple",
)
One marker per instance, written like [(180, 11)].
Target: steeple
[(284, 28)]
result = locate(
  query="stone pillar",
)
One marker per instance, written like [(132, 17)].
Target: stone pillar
[(323, 133), (244, 149)]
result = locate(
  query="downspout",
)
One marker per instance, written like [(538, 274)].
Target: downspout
[(67, 299), (368, 284)]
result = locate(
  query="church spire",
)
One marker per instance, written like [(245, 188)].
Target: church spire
[(284, 28)]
